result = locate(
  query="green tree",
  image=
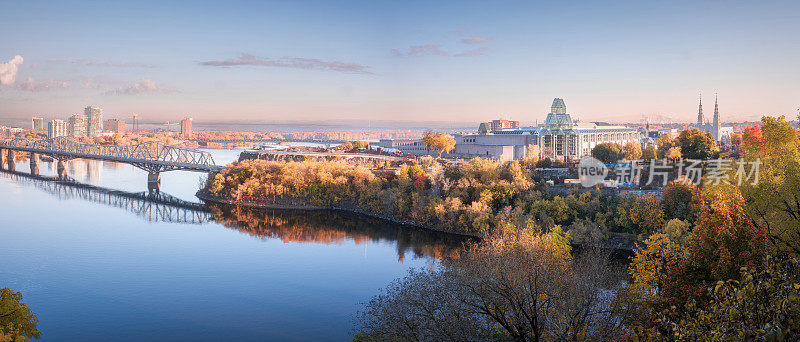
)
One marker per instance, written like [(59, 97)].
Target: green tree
[(17, 322), (697, 144), (608, 153), (649, 153)]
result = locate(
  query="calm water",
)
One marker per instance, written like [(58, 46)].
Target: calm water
[(96, 264)]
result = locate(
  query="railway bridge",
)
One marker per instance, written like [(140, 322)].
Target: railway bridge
[(154, 157)]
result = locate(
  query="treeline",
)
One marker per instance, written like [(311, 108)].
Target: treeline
[(725, 268), (481, 197)]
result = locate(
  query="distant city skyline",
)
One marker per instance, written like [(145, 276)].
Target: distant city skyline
[(466, 62)]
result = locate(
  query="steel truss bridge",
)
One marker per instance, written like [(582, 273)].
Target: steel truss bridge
[(154, 156), (152, 207)]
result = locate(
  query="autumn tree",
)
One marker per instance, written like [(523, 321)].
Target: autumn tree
[(632, 150), (521, 287), (775, 198), (649, 153), (608, 153), (439, 142), (664, 143), (680, 200), (17, 321), (697, 144)]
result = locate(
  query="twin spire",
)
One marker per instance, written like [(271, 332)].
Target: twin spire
[(700, 119)]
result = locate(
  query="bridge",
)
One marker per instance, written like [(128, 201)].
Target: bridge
[(152, 207), (154, 156), (326, 142)]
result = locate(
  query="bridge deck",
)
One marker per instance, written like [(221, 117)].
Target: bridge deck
[(151, 156)]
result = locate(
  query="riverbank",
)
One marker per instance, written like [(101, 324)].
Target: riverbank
[(204, 196), (625, 243)]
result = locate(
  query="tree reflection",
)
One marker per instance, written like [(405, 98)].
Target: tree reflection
[(333, 227)]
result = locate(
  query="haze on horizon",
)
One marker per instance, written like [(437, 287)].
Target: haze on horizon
[(413, 60)]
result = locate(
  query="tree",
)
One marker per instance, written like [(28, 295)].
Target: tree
[(17, 321), (664, 143), (608, 153), (649, 153), (774, 201), (632, 150), (520, 287), (697, 144), (440, 142), (766, 301), (681, 200)]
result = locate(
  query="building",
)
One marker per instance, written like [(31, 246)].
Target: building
[(114, 125), (560, 137), (94, 121), (37, 123), (497, 125), (76, 126), (415, 148), (56, 128), (718, 132), (186, 127)]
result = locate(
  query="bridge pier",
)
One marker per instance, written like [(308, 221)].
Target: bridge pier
[(61, 169), (34, 159), (12, 164), (2, 159), (154, 182)]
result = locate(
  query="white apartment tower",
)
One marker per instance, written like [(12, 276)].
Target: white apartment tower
[(94, 121)]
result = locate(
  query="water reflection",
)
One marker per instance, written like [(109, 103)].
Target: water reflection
[(329, 227), (153, 207), (325, 227)]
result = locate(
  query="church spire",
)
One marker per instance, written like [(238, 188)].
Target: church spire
[(700, 119), (716, 118)]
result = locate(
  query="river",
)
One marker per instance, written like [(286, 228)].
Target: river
[(106, 262)]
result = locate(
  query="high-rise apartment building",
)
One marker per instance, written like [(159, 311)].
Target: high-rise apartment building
[(186, 127), (114, 125), (77, 126), (56, 128), (37, 123), (94, 121)]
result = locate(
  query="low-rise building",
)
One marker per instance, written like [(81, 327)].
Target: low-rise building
[(560, 137)]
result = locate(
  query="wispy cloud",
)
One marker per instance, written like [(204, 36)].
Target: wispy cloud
[(8, 70), (472, 53), (476, 40), (143, 86), (291, 62), (421, 50), (86, 62), (32, 85)]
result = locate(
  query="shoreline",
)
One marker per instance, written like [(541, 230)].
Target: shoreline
[(621, 246), (263, 205)]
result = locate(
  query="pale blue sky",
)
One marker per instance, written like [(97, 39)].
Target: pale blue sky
[(459, 61)]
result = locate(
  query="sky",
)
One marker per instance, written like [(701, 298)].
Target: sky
[(462, 61)]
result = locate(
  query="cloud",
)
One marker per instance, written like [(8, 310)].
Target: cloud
[(32, 85), (291, 62), (8, 70), (476, 40), (143, 86), (472, 53), (421, 50), (85, 62)]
